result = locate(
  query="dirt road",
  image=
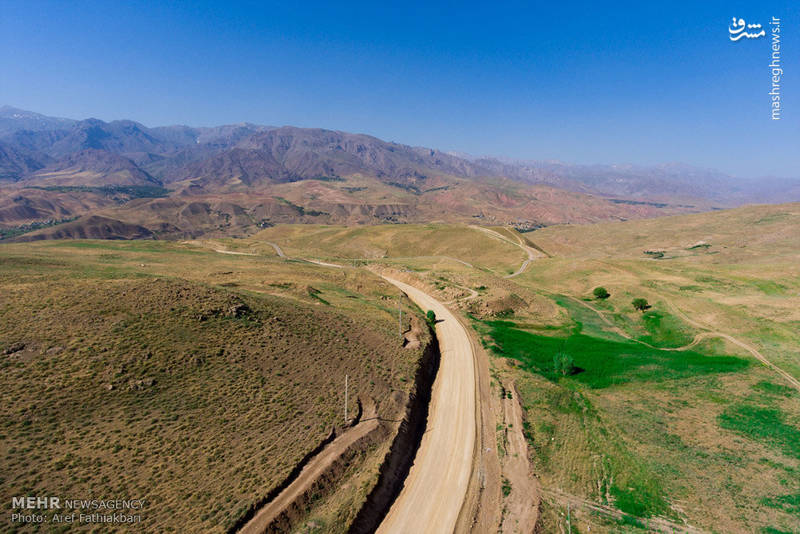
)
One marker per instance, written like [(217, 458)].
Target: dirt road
[(308, 476), (234, 253), (436, 486), (522, 503), (530, 251), (757, 355), (326, 264), (278, 249)]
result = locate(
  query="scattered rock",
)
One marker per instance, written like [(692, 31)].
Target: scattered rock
[(141, 384), (237, 310)]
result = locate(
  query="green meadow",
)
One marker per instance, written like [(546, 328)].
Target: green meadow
[(599, 362)]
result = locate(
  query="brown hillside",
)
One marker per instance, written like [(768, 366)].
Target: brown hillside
[(90, 227)]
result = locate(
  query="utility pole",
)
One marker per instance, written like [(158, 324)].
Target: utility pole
[(569, 522), (345, 399)]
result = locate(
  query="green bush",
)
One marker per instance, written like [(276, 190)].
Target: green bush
[(640, 304), (563, 364), (601, 293)]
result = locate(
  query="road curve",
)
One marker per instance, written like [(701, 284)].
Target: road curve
[(530, 251), (437, 483), (278, 249)]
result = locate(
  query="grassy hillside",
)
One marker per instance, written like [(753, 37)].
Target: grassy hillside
[(658, 417), (705, 434), (396, 242), (189, 378)]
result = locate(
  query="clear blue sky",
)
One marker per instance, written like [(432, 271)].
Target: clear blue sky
[(642, 82)]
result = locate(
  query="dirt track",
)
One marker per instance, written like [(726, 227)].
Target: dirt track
[(530, 251), (522, 503), (233, 253), (278, 249), (757, 355), (436, 486), (308, 476)]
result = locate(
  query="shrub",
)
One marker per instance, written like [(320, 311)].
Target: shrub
[(563, 364), (640, 304), (431, 317), (601, 293)]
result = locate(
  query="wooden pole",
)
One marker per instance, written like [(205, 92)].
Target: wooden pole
[(569, 522)]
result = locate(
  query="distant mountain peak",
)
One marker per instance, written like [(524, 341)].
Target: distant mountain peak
[(245, 155), (14, 119)]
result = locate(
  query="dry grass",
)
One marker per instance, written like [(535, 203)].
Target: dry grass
[(695, 448), (670, 441), (186, 377), (434, 242), (652, 446)]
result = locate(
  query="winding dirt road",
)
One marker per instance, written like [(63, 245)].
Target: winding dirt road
[(757, 355), (530, 251), (436, 487)]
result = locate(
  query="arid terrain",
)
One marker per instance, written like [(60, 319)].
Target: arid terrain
[(180, 309), (684, 416), (193, 379), (399, 268), (179, 182)]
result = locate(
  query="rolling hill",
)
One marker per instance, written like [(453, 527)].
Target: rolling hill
[(235, 179), (192, 379)]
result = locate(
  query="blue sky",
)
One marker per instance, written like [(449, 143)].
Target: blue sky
[(594, 82)]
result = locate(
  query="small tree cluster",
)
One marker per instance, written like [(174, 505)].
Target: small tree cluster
[(640, 304), (601, 293), (563, 364)]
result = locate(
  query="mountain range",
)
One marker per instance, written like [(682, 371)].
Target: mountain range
[(181, 181)]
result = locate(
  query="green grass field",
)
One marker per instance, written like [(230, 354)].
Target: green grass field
[(601, 363)]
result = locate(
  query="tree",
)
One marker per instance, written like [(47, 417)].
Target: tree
[(431, 317), (640, 304), (563, 364), (601, 293)]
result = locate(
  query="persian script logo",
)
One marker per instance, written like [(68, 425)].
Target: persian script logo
[(737, 30)]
